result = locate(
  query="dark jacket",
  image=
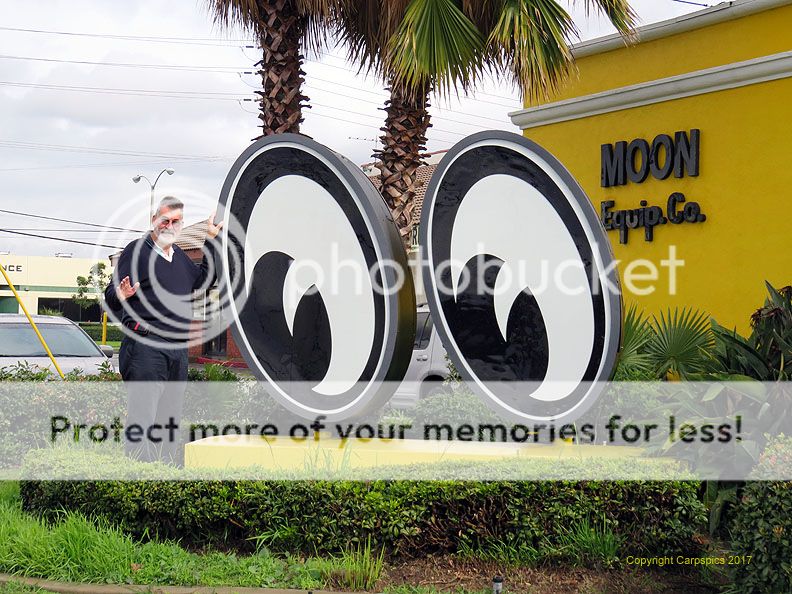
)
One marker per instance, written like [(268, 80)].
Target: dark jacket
[(163, 301)]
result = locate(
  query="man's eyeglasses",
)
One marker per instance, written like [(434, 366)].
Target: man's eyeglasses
[(165, 223)]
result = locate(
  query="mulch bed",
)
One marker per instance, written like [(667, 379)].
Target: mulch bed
[(447, 573)]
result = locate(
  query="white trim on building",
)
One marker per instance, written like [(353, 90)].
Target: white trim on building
[(709, 80), (725, 11)]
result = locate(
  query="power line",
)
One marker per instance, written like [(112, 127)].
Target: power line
[(145, 38), (152, 93), (357, 123), (375, 117), (24, 144), (119, 164), (209, 69), (356, 73), (210, 42), (38, 216), (62, 239), (378, 94), (133, 92), (434, 117), (68, 230), (217, 69)]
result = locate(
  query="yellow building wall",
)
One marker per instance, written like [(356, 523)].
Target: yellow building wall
[(44, 276), (745, 181), (746, 38)]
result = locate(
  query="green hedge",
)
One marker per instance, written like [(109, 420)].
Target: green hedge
[(406, 518), (94, 330), (762, 525)]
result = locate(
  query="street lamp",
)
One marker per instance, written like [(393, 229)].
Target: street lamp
[(137, 178)]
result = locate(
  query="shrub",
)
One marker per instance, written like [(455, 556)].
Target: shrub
[(405, 518), (762, 526), (212, 372), (26, 407), (455, 407), (94, 330), (766, 354)]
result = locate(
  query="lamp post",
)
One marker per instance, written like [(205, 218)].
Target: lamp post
[(137, 178)]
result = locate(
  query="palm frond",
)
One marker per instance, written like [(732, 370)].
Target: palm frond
[(530, 43), (228, 14), (435, 45), (364, 28), (250, 16), (681, 343), (619, 12), (637, 332)]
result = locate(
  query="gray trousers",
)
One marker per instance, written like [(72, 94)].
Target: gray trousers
[(156, 380)]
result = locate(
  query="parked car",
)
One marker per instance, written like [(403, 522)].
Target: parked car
[(428, 367), (70, 345)]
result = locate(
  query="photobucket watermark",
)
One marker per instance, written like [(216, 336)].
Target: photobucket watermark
[(226, 278), (485, 275)]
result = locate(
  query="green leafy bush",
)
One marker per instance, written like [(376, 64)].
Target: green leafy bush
[(766, 354), (25, 411), (762, 526), (94, 330), (455, 407), (212, 372), (403, 517)]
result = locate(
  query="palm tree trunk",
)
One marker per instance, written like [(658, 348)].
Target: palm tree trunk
[(403, 146), (281, 99)]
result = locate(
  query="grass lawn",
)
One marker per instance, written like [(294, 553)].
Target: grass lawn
[(9, 492), (16, 588)]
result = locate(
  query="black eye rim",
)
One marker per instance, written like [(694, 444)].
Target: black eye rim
[(398, 336), (602, 247)]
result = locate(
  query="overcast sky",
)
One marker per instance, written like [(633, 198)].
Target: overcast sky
[(71, 154)]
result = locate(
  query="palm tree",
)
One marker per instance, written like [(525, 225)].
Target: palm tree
[(424, 46), (283, 28)]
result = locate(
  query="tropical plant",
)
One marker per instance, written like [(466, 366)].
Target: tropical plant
[(444, 46), (636, 334), (681, 343), (356, 568), (760, 530), (283, 29), (766, 355), (771, 334), (589, 544)]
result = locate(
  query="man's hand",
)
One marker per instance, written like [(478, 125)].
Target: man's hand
[(126, 289), (211, 229)]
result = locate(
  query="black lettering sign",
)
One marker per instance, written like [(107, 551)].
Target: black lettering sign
[(613, 173), (678, 211), (621, 161)]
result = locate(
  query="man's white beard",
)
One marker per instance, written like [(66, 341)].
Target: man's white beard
[(166, 239)]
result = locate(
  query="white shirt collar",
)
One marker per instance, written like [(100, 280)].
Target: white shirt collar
[(161, 252)]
